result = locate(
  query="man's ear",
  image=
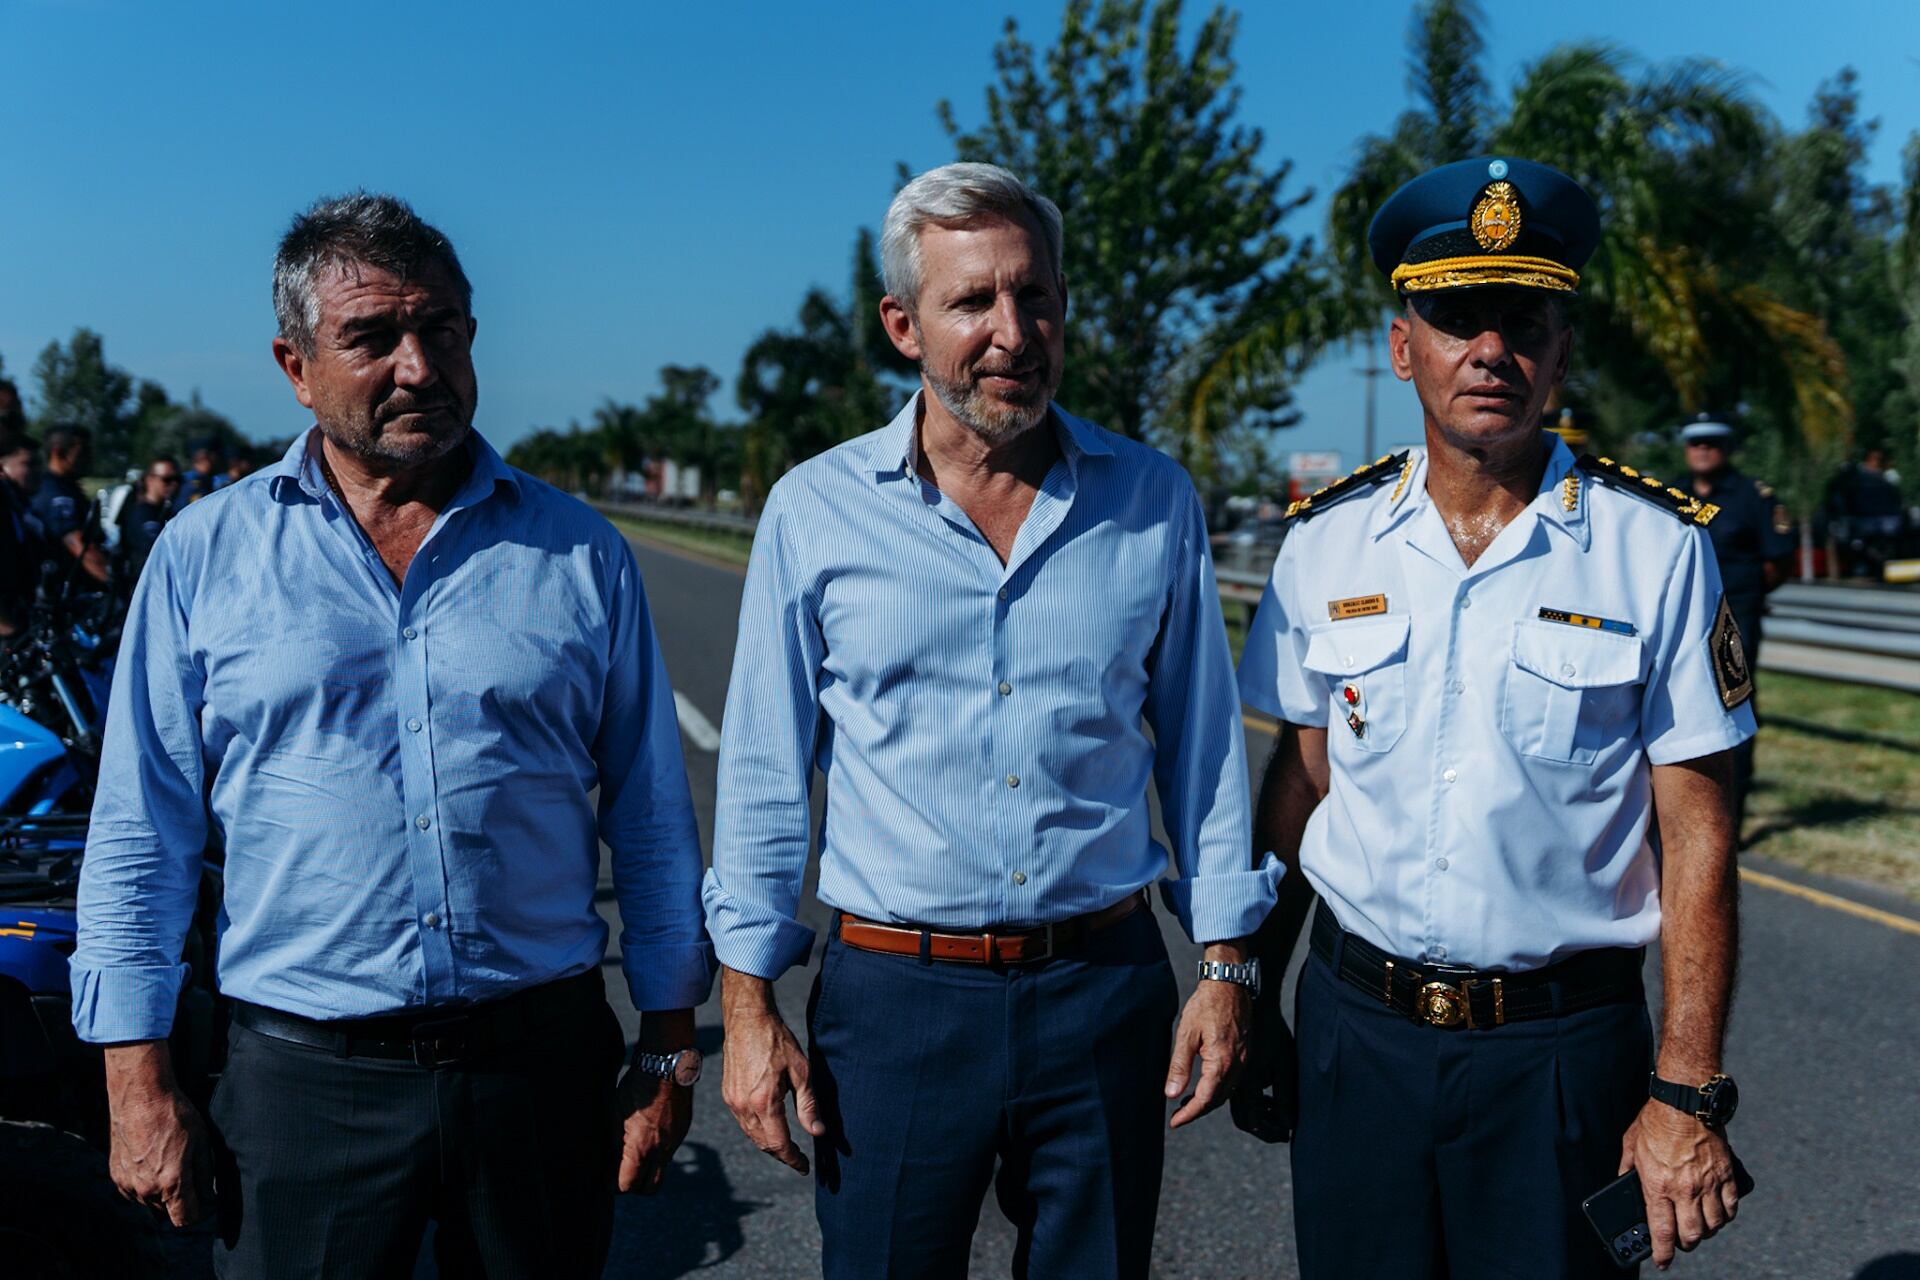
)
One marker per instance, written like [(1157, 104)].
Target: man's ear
[(1399, 346), (898, 322), (294, 365)]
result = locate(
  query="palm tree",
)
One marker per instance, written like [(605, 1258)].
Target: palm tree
[(1676, 157)]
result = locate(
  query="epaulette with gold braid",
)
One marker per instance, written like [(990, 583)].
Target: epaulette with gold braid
[(1362, 479), (1617, 475)]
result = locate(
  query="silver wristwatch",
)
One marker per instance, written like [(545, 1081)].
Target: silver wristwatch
[(682, 1066), (1246, 975)]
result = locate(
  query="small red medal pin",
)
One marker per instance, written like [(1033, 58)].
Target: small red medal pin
[(1350, 694)]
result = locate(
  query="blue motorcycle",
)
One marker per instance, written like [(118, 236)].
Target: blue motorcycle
[(60, 1214)]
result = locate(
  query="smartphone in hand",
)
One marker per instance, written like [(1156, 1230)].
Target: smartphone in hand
[(1618, 1213)]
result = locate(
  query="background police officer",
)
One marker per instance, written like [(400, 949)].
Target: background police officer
[(1752, 539), (1491, 663)]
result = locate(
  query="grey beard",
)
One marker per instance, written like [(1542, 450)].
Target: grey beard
[(982, 416)]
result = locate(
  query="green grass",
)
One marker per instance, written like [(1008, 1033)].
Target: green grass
[(1837, 786), (716, 544)]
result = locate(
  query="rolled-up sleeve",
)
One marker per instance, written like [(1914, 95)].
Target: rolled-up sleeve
[(141, 876), (646, 811), (761, 837), (1200, 766)]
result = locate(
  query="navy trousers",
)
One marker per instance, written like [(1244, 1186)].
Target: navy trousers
[(933, 1075), (1423, 1153)]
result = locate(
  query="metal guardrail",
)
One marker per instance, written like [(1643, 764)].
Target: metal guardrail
[(1874, 622)]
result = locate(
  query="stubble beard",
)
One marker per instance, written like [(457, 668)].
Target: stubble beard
[(365, 438), (993, 420)]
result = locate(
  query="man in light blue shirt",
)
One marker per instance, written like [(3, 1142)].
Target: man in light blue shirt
[(970, 621), (388, 674)]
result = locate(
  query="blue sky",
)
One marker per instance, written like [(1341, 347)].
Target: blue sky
[(643, 184)]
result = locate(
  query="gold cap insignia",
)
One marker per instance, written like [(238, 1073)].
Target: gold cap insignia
[(1495, 220)]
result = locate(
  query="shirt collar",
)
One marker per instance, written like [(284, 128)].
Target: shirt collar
[(299, 471), (894, 449), (1558, 502)]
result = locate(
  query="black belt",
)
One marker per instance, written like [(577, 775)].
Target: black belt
[(442, 1037), (1449, 997)]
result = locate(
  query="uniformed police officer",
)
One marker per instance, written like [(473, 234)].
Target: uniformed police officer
[(1752, 537), (62, 505), (1490, 662)]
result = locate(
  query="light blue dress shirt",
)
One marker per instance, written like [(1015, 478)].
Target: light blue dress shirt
[(983, 728), (402, 778), (1493, 805)]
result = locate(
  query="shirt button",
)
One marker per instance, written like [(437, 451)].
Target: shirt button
[(1438, 953), (422, 822), (1450, 775), (1440, 864), (1019, 877), (1013, 779), (1005, 688), (411, 634), (431, 920), (1466, 602), (1458, 686), (413, 726), (1003, 593), (1566, 668)]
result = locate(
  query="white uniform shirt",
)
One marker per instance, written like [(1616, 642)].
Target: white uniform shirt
[(1493, 808)]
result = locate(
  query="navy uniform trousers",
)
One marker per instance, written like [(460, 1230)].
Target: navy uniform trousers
[(930, 1074), (1424, 1153)]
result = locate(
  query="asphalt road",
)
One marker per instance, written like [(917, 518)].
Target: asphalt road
[(1824, 1044)]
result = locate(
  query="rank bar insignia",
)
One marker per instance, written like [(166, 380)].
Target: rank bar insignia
[(1588, 620)]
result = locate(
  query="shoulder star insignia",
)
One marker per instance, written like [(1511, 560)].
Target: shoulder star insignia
[(1616, 475), (1362, 480)]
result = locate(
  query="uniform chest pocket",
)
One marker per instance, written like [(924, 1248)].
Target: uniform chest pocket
[(1365, 667), (1570, 691)]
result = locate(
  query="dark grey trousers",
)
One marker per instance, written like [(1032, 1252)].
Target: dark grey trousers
[(332, 1167)]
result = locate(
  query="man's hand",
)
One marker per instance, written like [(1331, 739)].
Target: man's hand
[(1686, 1174), (654, 1115), (1266, 1100), (158, 1154), (1213, 1027), (763, 1064)]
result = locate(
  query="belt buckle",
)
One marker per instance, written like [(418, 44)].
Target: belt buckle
[(434, 1048), (1443, 1004)]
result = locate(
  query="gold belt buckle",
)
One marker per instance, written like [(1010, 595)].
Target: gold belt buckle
[(1444, 1004)]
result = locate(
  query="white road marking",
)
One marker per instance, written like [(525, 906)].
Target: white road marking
[(699, 730)]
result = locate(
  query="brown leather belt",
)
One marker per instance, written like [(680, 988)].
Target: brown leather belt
[(989, 946)]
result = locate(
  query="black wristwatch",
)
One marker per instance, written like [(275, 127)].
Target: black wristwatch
[(1712, 1103)]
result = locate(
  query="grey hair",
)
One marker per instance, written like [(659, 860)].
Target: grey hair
[(950, 196), (361, 229)]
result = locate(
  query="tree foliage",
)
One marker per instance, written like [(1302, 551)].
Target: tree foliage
[(1173, 218), (75, 385)]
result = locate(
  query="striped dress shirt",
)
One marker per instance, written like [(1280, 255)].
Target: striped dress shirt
[(983, 728), (403, 777)]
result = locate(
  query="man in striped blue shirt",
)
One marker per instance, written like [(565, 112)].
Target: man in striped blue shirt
[(390, 673), (990, 624)]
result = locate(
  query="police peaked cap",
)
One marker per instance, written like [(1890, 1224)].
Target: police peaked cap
[(1490, 221)]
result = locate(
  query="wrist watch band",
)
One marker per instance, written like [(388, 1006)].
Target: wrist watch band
[(1712, 1103), (1243, 975), (681, 1066)]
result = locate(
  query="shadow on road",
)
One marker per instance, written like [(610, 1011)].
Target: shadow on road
[(692, 1224), (1894, 1266)]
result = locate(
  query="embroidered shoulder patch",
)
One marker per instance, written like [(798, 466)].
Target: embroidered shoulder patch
[(1730, 669)]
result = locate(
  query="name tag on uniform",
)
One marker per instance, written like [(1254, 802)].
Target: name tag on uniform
[(1356, 607), (1587, 620)]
